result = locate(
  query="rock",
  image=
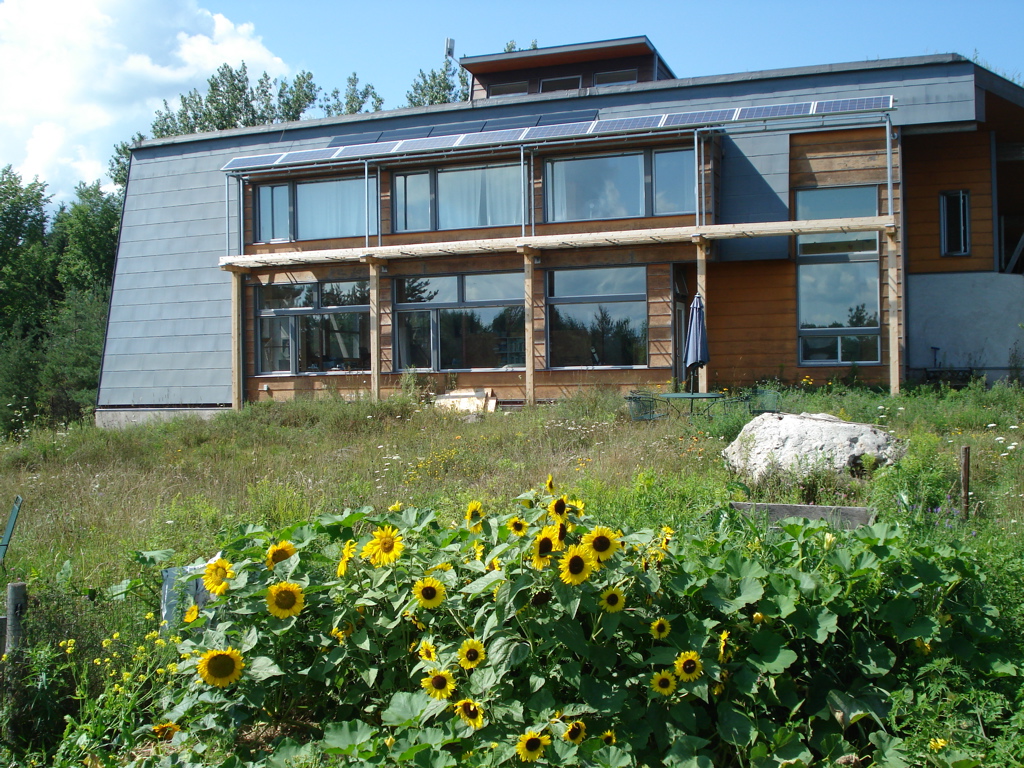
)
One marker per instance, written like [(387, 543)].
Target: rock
[(808, 441)]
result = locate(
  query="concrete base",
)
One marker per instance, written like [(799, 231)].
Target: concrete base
[(116, 418)]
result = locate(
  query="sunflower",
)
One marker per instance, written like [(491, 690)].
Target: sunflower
[(518, 526), (384, 548), (660, 628), (347, 553), (475, 516), (608, 737), (216, 575), (285, 600), (471, 712), (164, 731), (612, 600), (557, 536), (191, 614), (724, 654), (688, 666), (429, 592), (341, 634), (471, 654), (220, 668), (603, 542), (549, 486), (558, 510), (576, 565), (278, 552), (663, 683), (543, 545), (531, 745), (439, 684), (576, 732), (427, 651)]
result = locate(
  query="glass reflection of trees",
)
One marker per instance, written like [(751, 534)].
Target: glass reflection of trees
[(607, 338)]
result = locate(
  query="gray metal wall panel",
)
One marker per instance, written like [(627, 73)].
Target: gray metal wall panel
[(154, 329), (755, 187), (166, 395), (169, 278), (166, 343)]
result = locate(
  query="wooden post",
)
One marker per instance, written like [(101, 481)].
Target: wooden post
[(376, 267), (965, 479), (893, 283), (702, 289), (529, 255), (17, 602)]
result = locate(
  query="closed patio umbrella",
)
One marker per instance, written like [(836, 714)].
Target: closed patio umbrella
[(695, 353)]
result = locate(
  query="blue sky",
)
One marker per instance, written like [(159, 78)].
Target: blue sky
[(92, 72)]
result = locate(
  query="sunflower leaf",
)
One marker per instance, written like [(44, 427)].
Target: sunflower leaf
[(735, 726), (484, 583), (262, 667), (345, 738), (772, 657), (405, 708)]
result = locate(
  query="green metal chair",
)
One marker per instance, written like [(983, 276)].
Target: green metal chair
[(644, 406), (763, 401)]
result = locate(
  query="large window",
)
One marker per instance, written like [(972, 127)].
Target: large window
[(314, 327), (316, 210), (460, 322), (838, 280), (597, 317), (955, 212), (628, 185), (458, 198)]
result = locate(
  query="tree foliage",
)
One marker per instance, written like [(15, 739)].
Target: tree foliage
[(439, 86), (353, 101)]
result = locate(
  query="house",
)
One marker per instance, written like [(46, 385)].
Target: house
[(551, 232)]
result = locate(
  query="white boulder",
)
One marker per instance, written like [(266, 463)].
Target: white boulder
[(804, 442)]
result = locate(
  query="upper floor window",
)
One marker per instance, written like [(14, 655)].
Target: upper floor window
[(619, 77), (955, 219), (560, 84), (458, 198), (635, 184), (508, 89), (316, 210)]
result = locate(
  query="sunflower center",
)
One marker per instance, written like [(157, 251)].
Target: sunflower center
[(689, 666), (601, 544), (663, 682), (279, 555), (221, 665), (469, 710), (532, 744), (285, 599), (574, 731), (220, 573), (428, 592), (438, 682), (562, 531), (386, 545), (558, 507), (517, 526), (544, 546), (612, 599), (472, 654), (576, 565), (608, 740)]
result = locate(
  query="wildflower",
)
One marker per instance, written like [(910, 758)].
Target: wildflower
[(164, 731), (429, 592), (172, 668), (576, 732), (602, 542), (150, 616), (471, 713), (220, 668), (612, 600), (517, 525), (663, 683), (660, 628), (152, 635), (576, 565), (117, 635), (285, 600), (758, 617), (471, 654), (279, 552), (440, 567), (439, 684), (347, 553), (475, 516), (925, 649), (191, 614), (936, 745), (396, 507), (608, 737), (688, 666), (385, 547), (531, 744), (215, 578)]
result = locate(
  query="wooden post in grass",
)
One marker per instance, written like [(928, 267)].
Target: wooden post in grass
[(17, 602), (965, 479)]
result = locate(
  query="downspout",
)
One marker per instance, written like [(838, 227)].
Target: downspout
[(366, 201), (533, 220), (522, 188)]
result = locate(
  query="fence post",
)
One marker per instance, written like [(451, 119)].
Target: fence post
[(17, 602), (965, 479)]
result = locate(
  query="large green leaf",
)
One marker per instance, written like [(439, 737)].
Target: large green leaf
[(485, 582), (405, 708), (730, 596), (344, 738), (262, 667), (735, 726), (816, 623), (772, 656), (873, 658)]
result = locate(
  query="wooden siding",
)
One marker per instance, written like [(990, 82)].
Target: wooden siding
[(837, 158), (940, 163)]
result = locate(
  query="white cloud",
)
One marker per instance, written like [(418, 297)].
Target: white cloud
[(81, 75)]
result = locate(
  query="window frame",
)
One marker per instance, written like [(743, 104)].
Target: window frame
[(623, 81), (524, 84), (292, 317), (544, 81), (434, 308), (372, 203), (432, 174), (963, 202), (844, 257), (610, 298), (649, 183)]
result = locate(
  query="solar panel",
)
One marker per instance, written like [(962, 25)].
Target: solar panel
[(491, 137), (251, 162), (552, 131), (358, 150), (307, 155), (853, 105), (434, 142), (627, 124), (699, 118), (775, 110)]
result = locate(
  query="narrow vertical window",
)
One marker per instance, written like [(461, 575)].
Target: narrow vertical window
[(274, 214), (955, 213)]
